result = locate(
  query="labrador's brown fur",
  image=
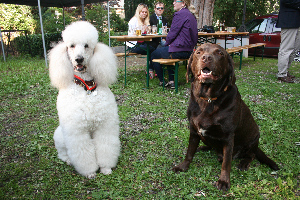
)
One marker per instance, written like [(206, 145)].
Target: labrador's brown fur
[(218, 116)]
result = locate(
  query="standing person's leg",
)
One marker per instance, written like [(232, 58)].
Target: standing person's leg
[(296, 49), (157, 54), (287, 47)]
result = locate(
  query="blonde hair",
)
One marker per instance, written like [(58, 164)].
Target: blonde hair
[(141, 21)]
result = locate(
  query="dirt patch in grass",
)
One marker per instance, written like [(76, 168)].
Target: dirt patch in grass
[(133, 61)]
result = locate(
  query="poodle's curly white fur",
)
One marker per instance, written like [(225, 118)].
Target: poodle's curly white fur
[(88, 133)]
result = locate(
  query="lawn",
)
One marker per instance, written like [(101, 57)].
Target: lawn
[(154, 136)]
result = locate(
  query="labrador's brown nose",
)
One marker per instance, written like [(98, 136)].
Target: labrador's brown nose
[(206, 58)]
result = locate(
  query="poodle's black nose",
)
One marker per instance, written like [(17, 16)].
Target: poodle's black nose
[(79, 60)]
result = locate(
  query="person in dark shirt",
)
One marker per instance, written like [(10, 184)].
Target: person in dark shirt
[(158, 11), (180, 41)]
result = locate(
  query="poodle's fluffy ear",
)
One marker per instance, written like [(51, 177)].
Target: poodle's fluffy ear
[(60, 67), (103, 65)]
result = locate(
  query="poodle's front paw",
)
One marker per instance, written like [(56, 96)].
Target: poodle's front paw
[(91, 176), (68, 162), (106, 171)]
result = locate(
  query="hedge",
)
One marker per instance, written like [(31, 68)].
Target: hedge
[(34, 45)]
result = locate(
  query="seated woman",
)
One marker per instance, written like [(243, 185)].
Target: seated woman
[(180, 41), (140, 19)]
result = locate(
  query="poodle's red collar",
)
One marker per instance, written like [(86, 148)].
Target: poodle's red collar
[(89, 86)]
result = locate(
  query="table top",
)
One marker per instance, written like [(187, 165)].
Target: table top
[(151, 36), (136, 38), (221, 33)]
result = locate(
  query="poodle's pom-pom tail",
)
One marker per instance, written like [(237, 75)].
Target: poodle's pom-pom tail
[(60, 66), (80, 31), (104, 65)]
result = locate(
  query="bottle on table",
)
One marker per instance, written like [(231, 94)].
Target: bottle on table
[(159, 26)]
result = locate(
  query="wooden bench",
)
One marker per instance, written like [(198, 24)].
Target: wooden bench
[(240, 49), (170, 62), (123, 54)]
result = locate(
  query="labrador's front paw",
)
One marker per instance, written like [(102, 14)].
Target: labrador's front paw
[(223, 184), (182, 167)]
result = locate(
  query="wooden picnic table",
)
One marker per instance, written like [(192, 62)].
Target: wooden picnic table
[(149, 37)]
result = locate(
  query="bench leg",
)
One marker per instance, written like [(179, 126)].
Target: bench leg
[(241, 59), (148, 63), (125, 66), (263, 51), (176, 77), (163, 69)]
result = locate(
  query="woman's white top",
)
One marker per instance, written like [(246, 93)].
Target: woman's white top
[(132, 25)]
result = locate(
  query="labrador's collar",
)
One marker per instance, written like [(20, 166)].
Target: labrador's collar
[(209, 99)]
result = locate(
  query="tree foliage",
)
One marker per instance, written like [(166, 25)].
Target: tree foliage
[(53, 20), (16, 17), (230, 12)]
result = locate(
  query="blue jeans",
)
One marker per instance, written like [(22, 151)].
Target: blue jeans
[(141, 48), (163, 52)]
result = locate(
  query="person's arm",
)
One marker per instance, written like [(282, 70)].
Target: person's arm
[(132, 23), (176, 27)]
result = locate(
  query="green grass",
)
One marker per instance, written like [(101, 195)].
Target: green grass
[(154, 136)]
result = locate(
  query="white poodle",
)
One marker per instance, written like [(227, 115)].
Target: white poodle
[(88, 133)]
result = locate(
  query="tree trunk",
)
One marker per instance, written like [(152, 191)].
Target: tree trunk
[(204, 11)]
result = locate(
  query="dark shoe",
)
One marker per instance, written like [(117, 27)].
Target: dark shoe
[(289, 75), (285, 79), (170, 85)]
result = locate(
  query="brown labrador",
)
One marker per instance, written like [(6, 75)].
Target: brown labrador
[(218, 116)]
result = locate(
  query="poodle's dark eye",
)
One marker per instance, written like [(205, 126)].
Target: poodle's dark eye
[(72, 46), (86, 46)]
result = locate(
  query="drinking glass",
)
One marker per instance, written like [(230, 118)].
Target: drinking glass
[(164, 30), (154, 29), (148, 29), (138, 31)]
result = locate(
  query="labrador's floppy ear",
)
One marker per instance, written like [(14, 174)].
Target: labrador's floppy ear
[(60, 66), (231, 70), (188, 69)]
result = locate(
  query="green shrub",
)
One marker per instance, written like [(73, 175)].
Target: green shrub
[(53, 20), (33, 44)]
